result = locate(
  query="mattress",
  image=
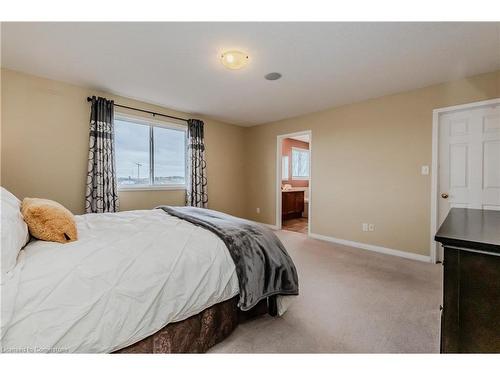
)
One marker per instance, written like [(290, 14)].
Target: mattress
[(129, 274)]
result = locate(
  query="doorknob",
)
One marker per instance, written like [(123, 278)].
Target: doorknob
[(444, 195)]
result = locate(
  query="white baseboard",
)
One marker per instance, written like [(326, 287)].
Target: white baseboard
[(270, 226), (378, 249)]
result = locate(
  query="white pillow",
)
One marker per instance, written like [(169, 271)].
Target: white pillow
[(14, 229)]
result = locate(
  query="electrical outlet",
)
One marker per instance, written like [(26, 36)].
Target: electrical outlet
[(257, 210), (365, 227), (371, 227)]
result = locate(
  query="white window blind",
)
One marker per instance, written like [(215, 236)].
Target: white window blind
[(300, 164), (284, 168)]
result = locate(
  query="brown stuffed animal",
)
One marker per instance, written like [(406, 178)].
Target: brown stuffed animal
[(48, 220)]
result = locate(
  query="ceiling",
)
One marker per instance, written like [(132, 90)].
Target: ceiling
[(323, 64), (302, 138)]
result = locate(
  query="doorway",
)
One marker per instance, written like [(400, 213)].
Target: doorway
[(466, 157), (293, 182)]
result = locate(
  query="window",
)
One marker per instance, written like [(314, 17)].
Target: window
[(300, 164), (149, 154), (284, 168)]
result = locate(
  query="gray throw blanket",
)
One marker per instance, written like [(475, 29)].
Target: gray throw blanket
[(263, 266)]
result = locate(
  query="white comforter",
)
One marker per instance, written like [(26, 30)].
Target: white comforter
[(128, 275)]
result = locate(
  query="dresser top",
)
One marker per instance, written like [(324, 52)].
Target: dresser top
[(471, 229)]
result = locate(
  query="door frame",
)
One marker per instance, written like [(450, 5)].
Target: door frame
[(436, 114), (279, 140)]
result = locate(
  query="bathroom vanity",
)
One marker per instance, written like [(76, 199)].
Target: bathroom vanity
[(292, 204)]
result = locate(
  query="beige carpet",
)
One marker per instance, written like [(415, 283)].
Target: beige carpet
[(351, 301)]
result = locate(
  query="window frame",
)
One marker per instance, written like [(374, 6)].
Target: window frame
[(152, 123), (301, 178)]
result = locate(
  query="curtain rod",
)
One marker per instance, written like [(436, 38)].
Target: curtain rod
[(89, 99)]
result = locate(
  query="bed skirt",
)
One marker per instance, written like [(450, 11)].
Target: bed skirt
[(199, 332)]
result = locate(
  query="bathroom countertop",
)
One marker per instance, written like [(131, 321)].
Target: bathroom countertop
[(294, 189)]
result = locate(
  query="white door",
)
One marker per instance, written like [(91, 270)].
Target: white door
[(469, 159)]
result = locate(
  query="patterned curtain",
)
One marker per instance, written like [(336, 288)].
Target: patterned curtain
[(196, 193), (101, 193)]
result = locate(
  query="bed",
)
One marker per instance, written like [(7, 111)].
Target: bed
[(135, 281)]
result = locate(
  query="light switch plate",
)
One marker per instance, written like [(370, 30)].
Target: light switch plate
[(425, 170)]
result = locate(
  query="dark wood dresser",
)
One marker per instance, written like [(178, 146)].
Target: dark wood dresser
[(470, 319), (292, 204)]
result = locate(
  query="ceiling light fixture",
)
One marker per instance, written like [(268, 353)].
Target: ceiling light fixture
[(234, 59)]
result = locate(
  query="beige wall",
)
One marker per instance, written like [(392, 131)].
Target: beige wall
[(45, 147), (366, 160), (366, 157)]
